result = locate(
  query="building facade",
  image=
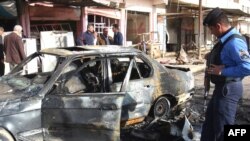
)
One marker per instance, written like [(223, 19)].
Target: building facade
[(183, 20)]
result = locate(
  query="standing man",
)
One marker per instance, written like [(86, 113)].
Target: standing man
[(2, 66), (13, 47), (87, 38), (229, 64), (118, 38), (105, 39)]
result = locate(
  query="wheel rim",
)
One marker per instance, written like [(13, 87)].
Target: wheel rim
[(161, 107)]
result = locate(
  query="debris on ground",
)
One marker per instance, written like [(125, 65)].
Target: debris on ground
[(187, 125), (182, 57), (160, 130)]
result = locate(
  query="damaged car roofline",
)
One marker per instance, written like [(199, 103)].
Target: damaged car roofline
[(80, 50)]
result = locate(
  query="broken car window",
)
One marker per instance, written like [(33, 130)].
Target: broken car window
[(83, 77), (144, 68), (120, 65), (30, 76)]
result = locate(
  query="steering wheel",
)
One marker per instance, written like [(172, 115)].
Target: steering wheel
[(92, 82)]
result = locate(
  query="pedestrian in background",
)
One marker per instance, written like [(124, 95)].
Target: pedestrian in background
[(104, 38), (87, 37), (13, 47), (229, 64), (2, 66), (118, 38)]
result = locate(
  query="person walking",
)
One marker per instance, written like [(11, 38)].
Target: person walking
[(2, 66), (104, 38), (118, 38), (229, 64), (13, 47)]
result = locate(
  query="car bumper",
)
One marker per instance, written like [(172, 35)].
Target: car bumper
[(182, 98)]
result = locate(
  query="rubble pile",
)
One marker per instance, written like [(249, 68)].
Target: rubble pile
[(160, 130), (183, 58)]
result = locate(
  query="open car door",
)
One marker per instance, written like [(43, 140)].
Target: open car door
[(82, 117), (79, 110)]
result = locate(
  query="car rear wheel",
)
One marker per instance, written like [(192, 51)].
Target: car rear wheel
[(161, 108)]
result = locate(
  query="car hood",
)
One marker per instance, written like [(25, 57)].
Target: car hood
[(9, 93)]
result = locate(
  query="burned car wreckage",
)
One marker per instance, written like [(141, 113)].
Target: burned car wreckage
[(87, 93)]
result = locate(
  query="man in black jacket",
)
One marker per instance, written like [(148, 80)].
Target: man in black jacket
[(2, 66), (118, 38), (104, 38)]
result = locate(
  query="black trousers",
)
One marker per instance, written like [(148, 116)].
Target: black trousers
[(221, 110), (2, 68)]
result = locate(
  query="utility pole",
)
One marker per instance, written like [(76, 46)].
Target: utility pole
[(200, 29)]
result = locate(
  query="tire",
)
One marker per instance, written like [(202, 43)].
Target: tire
[(5, 135), (161, 108)]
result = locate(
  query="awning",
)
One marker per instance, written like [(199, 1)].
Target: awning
[(176, 15), (236, 12), (101, 3), (228, 11), (8, 9)]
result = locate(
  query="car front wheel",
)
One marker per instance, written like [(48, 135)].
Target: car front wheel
[(161, 108)]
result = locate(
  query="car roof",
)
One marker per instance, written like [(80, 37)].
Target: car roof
[(91, 50)]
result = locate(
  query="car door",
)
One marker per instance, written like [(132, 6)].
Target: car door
[(74, 112), (138, 98)]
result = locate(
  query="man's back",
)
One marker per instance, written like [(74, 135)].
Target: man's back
[(118, 38), (88, 38), (13, 48)]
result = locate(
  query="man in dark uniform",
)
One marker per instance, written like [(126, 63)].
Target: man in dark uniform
[(229, 64)]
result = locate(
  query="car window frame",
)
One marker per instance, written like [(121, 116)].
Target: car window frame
[(148, 62), (133, 57), (81, 67)]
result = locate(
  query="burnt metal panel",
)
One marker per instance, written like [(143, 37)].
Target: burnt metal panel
[(21, 122), (177, 82), (138, 99), (84, 117), (87, 116)]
